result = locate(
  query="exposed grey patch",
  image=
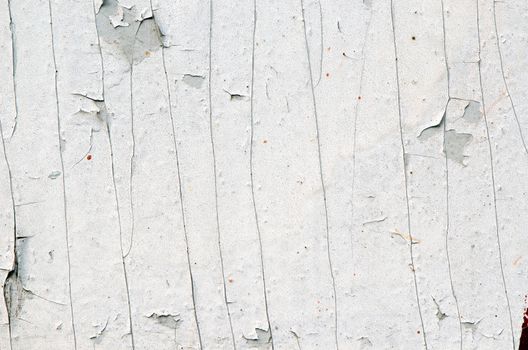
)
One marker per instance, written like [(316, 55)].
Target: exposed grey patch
[(121, 38), (263, 338), (138, 38), (472, 112), (454, 145), (54, 174), (195, 81), (148, 40), (166, 319)]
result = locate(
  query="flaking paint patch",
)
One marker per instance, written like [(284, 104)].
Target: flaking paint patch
[(261, 340), (431, 130), (166, 319), (472, 112), (133, 41), (148, 40), (195, 81), (455, 145)]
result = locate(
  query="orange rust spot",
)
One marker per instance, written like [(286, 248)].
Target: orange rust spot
[(265, 141), (89, 157), (230, 279), (147, 53)]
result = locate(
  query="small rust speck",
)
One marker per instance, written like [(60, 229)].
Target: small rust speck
[(359, 97), (89, 157), (414, 38), (147, 53), (265, 141), (327, 74)]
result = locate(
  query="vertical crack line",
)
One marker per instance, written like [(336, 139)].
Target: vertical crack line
[(405, 171), (322, 43), (356, 116), (100, 51), (329, 257), (123, 262), (215, 172), (504, 77), (496, 216), (447, 177), (133, 156), (14, 268), (169, 98), (65, 208), (14, 62), (251, 138)]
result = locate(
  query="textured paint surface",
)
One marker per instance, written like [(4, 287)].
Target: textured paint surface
[(293, 175)]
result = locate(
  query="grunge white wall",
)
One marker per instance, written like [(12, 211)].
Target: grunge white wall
[(269, 174)]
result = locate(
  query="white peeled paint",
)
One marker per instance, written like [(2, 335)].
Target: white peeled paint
[(293, 175)]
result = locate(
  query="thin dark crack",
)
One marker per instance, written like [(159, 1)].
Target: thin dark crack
[(447, 177), (133, 156), (89, 149), (405, 171), (14, 265), (123, 262), (296, 339), (496, 217), (100, 52), (314, 102), (169, 98), (215, 172), (65, 207), (251, 141), (14, 62), (504, 78), (356, 114), (28, 291)]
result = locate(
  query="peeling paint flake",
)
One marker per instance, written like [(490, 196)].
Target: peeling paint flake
[(117, 18)]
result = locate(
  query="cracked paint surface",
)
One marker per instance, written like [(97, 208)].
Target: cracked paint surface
[(306, 174)]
